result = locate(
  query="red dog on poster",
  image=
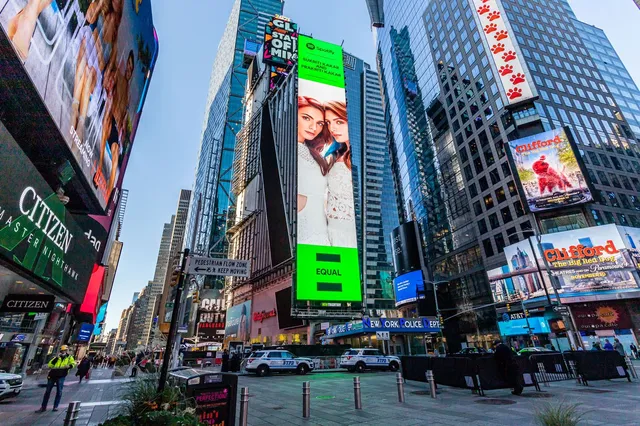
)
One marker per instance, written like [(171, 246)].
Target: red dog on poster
[(548, 177)]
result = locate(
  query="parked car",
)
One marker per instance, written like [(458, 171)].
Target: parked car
[(265, 362), (10, 385), (368, 359), (533, 350)]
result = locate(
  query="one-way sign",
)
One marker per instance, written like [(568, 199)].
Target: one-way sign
[(222, 267)]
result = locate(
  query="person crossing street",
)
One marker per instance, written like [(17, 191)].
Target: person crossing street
[(59, 368)]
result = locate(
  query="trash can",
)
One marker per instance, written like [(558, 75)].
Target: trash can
[(214, 394)]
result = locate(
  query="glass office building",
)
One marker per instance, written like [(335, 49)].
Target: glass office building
[(375, 206), (447, 124), (212, 200)]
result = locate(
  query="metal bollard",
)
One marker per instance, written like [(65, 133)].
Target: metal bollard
[(244, 406), (357, 396), (72, 413), (306, 399), (631, 367), (400, 382), (432, 383)]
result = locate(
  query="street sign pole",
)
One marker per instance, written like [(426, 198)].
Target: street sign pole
[(174, 323)]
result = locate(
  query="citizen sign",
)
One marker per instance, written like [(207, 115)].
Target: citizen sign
[(27, 303)]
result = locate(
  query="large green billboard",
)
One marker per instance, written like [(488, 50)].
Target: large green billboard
[(327, 266)]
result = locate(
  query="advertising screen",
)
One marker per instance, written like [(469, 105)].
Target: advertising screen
[(238, 324), (37, 233), (518, 327), (405, 244), (583, 262), (327, 265), (548, 170), (85, 332), (407, 287), (280, 42), (601, 316), (211, 316), (91, 62)]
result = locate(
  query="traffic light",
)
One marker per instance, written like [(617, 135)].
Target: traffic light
[(196, 297), (508, 307), (175, 277), (526, 312)]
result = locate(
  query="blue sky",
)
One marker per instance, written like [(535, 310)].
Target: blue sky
[(166, 147)]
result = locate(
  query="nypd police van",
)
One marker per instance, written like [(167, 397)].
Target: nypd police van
[(368, 359), (265, 362)]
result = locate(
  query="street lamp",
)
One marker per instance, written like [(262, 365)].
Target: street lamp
[(569, 324)]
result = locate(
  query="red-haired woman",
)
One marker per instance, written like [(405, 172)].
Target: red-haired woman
[(312, 170), (340, 209)]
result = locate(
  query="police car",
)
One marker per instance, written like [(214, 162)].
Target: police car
[(10, 385), (368, 359), (265, 362)]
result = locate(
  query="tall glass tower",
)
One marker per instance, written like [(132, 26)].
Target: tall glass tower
[(212, 199), (448, 120)]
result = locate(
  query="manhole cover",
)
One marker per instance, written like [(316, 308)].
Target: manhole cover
[(536, 395), (495, 401), (325, 397), (592, 390)]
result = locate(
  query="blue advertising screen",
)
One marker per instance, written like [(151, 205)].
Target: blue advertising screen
[(518, 327), (406, 287), (86, 329)]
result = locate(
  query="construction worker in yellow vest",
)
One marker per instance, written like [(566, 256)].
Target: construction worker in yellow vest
[(59, 368)]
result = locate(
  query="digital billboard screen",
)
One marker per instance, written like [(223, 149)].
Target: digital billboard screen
[(597, 261), (280, 42), (408, 286), (91, 62), (327, 264), (85, 332), (38, 235), (238, 325), (549, 171), (516, 327), (406, 247), (211, 318)]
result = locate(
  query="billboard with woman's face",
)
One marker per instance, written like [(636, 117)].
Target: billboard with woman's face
[(91, 62), (327, 267)]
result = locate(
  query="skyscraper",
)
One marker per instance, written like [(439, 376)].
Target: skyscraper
[(449, 119), (177, 243), (374, 200), (222, 121), (163, 257)]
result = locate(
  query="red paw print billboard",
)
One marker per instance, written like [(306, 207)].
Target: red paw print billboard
[(501, 43), (549, 171)]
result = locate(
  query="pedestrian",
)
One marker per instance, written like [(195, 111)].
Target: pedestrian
[(596, 346), (507, 366), (134, 369), (618, 346), (59, 368), (225, 361), (634, 350), (83, 369), (607, 345)]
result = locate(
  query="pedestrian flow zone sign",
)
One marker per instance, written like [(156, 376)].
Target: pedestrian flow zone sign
[(198, 265)]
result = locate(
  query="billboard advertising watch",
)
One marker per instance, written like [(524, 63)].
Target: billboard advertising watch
[(38, 235), (91, 62), (327, 265), (549, 171)]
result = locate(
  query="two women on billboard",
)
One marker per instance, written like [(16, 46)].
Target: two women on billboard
[(326, 213)]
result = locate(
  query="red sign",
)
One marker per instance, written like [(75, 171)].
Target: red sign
[(601, 316), (261, 316)]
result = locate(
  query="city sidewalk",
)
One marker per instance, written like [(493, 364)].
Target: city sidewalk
[(100, 397)]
